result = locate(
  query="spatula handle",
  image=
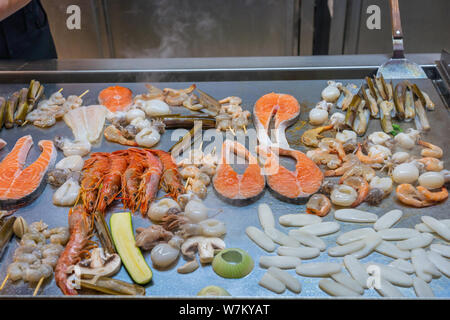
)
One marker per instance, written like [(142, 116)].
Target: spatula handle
[(397, 32)]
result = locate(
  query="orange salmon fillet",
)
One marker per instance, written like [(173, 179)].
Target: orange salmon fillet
[(13, 163), (116, 98), (304, 181), (284, 106), (29, 179), (232, 185)]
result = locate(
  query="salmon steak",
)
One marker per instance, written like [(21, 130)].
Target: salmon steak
[(283, 108), (19, 186), (290, 186), (116, 98), (238, 189)]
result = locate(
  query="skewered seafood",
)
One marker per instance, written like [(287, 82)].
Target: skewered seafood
[(35, 258), (49, 111), (231, 115)]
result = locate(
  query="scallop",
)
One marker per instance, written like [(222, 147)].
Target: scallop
[(379, 137), (196, 211), (431, 180), (404, 141), (318, 116), (330, 93), (73, 163), (163, 255), (154, 107), (346, 135), (377, 150), (405, 173), (400, 157), (384, 184), (135, 114)]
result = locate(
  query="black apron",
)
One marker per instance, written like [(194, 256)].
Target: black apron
[(26, 34)]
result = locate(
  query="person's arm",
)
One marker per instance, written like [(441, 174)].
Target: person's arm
[(8, 7)]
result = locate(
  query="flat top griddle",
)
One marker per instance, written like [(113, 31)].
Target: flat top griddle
[(169, 283)]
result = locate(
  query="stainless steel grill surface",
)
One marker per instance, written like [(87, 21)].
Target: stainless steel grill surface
[(169, 283)]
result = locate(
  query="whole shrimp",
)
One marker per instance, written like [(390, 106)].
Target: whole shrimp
[(149, 185), (311, 137), (171, 179), (432, 164), (80, 228), (350, 161), (430, 150), (93, 170), (318, 204), (131, 178), (437, 196), (333, 146), (379, 158), (112, 181), (409, 195), (360, 185)]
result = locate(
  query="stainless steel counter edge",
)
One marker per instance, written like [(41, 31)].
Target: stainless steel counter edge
[(202, 69)]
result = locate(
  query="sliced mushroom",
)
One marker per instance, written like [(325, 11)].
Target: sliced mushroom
[(100, 264), (205, 246), (188, 267)]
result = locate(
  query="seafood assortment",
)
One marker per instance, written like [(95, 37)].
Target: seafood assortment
[(341, 168)]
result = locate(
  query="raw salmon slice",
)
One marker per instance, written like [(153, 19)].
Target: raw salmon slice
[(28, 183), (13, 163), (290, 186), (116, 98), (284, 107), (237, 188)]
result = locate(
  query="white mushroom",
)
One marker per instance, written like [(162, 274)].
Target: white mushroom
[(101, 264), (206, 247)]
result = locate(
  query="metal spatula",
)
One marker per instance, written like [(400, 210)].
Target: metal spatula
[(398, 67)]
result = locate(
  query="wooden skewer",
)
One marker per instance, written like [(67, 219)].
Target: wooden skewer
[(38, 286), (245, 129), (232, 131), (4, 281), (81, 95), (187, 182), (60, 90)]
